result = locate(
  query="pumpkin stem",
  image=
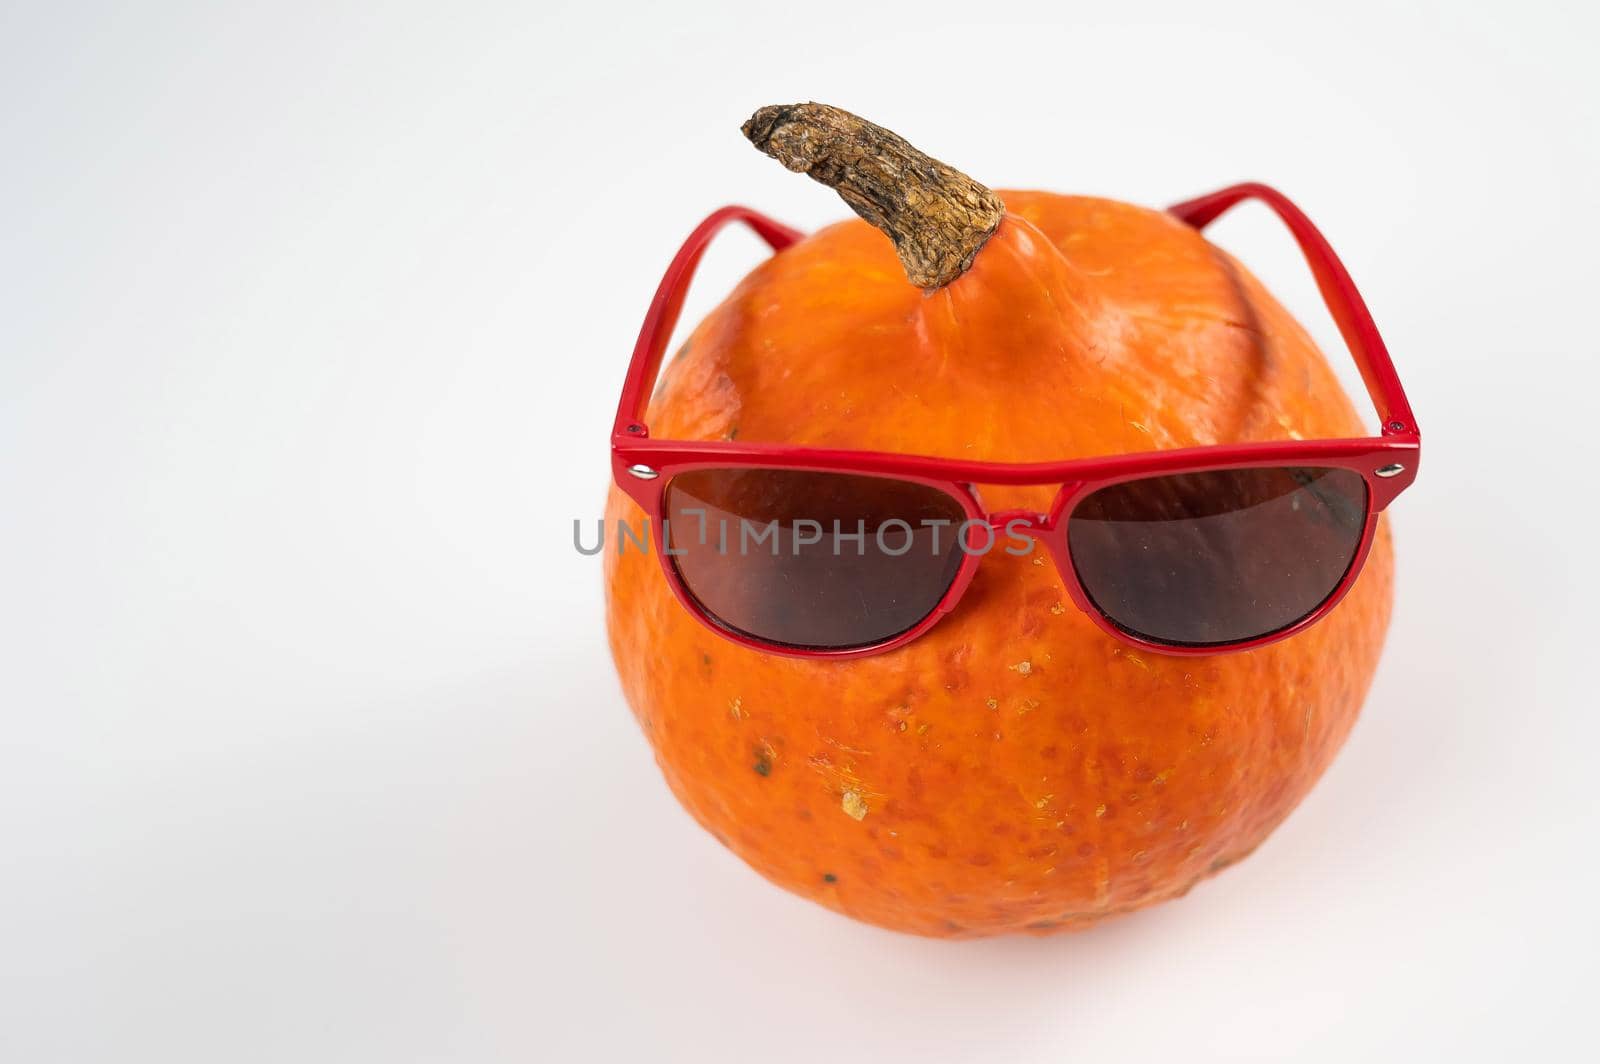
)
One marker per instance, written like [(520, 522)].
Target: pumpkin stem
[(937, 217)]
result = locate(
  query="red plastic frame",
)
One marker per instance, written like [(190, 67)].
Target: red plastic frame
[(1388, 462)]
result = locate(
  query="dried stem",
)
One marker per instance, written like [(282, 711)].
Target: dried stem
[(937, 217)]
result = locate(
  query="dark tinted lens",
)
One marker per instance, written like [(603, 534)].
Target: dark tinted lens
[(1221, 557), (814, 560)]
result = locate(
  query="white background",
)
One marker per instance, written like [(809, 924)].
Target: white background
[(311, 323)]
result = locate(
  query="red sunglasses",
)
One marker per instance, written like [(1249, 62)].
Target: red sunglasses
[(1187, 551)]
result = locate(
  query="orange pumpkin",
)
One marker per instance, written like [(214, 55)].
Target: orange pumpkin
[(1015, 768)]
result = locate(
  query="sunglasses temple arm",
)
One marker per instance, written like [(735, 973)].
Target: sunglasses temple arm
[(662, 317), (1339, 292)]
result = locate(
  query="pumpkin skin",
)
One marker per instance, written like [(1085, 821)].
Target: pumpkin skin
[(1015, 768)]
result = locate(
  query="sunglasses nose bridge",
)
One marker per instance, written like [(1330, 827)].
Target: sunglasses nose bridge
[(1022, 522)]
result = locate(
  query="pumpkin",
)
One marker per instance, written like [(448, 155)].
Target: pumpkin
[(1015, 768)]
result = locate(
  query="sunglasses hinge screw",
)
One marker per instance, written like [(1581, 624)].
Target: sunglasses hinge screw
[(644, 472), (1388, 471)]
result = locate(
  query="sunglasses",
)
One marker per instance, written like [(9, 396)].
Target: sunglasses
[(818, 552)]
